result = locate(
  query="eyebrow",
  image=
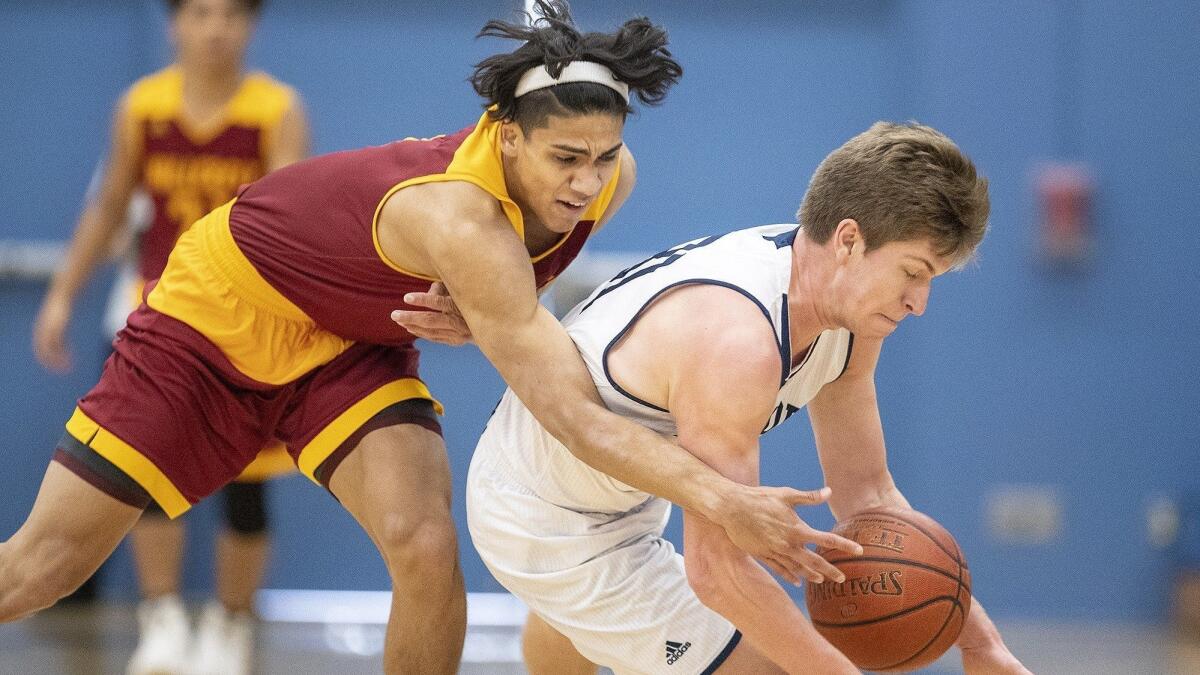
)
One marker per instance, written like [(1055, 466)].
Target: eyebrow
[(922, 260), (583, 151)]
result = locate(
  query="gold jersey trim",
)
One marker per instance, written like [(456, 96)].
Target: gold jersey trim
[(127, 458), (336, 432), (478, 161), (260, 101)]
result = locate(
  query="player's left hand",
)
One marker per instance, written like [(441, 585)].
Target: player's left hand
[(991, 659), (442, 323)]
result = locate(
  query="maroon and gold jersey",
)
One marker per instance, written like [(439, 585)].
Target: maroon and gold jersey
[(290, 274), (189, 170), (310, 229)]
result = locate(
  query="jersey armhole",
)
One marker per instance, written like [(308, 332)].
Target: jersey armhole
[(654, 298), (507, 206)]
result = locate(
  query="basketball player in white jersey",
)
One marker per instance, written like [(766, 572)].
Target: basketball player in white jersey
[(718, 341)]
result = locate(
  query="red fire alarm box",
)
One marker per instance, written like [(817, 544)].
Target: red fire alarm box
[(1064, 195)]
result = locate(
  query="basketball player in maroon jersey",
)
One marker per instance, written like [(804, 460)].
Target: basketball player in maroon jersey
[(271, 320)]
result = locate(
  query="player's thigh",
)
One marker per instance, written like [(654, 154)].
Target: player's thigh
[(363, 390), (398, 469), (609, 583), (170, 414), (632, 610), (70, 510), (744, 659)]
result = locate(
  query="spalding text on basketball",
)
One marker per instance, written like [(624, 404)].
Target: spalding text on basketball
[(884, 583)]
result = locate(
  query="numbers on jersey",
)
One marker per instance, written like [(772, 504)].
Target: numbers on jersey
[(654, 262)]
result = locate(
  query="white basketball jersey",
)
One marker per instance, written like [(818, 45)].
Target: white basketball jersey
[(756, 262)]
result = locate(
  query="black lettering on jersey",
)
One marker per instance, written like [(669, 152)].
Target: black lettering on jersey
[(654, 262), (782, 412)]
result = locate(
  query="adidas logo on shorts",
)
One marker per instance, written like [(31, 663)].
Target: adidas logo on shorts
[(676, 650)]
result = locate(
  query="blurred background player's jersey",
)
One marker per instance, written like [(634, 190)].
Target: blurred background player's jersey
[(189, 167)]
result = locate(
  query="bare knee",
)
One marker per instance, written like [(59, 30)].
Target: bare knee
[(418, 547)]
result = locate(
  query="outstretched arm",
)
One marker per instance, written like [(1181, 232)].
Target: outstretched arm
[(849, 435), (532, 351)]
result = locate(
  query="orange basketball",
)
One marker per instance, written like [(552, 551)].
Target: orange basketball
[(904, 600)]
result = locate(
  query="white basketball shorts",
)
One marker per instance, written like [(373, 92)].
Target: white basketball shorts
[(607, 581)]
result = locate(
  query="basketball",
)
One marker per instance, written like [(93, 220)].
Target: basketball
[(904, 600)]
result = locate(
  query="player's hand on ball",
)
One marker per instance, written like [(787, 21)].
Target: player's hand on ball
[(762, 521), (442, 323)]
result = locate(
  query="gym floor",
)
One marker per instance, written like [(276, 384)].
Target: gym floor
[(93, 639)]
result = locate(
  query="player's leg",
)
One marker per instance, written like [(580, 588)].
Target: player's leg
[(243, 545), (548, 652), (225, 632), (72, 528), (157, 553), (396, 483), (367, 429), (164, 633), (746, 659)]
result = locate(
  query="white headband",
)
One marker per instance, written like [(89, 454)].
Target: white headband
[(576, 71)]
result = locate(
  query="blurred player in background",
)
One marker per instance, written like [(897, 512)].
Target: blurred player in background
[(187, 137)]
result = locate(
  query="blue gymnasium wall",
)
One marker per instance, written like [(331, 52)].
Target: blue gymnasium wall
[(1082, 382)]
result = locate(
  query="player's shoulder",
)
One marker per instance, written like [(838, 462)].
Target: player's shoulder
[(262, 86), (448, 214), (158, 94), (261, 100), (718, 322), (453, 201)]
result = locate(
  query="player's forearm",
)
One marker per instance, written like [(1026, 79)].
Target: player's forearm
[(864, 494), (648, 461), (770, 621), (88, 246), (565, 401), (979, 631)]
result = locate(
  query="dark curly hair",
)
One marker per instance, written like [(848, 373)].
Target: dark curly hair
[(636, 53)]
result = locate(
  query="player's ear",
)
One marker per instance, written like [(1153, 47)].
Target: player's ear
[(847, 237), (510, 137)]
